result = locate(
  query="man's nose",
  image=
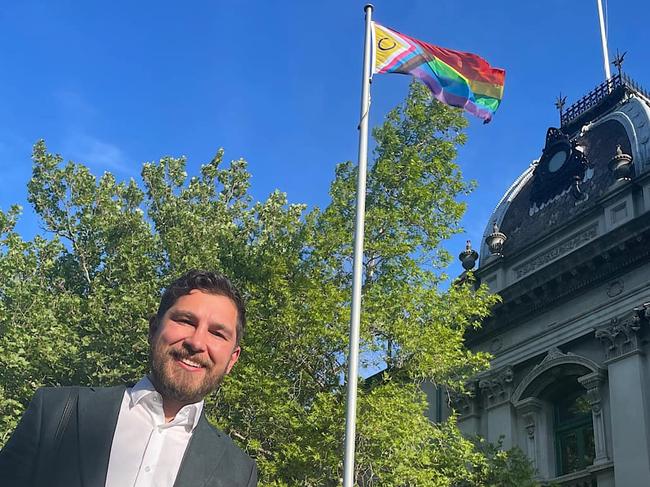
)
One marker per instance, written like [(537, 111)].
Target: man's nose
[(196, 342)]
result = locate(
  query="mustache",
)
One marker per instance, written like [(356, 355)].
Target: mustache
[(183, 353)]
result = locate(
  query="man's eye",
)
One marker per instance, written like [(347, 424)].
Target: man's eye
[(216, 333)]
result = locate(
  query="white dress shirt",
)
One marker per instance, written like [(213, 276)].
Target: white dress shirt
[(146, 451)]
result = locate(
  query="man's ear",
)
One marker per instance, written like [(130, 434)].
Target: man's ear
[(153, 326), (234, 356)]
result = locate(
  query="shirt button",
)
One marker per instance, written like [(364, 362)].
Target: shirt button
[(147, 469)]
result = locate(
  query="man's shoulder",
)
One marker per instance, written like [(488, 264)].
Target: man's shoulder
[(62, 393), (231, 449), (213, 455)]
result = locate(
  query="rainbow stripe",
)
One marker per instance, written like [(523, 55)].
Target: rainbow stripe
[(456, 78)]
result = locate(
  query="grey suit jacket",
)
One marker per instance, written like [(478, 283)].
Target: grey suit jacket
[(81, 459)]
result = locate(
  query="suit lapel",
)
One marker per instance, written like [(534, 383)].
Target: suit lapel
[(202, 456), (97, 418)]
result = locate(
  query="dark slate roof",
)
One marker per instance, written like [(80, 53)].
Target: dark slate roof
[(599, 146)]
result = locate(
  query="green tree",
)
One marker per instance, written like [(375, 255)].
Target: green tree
[(74, 302)]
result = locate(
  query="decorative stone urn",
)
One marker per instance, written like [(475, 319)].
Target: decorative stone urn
[(495, 241), (468, 257), (621, 165)]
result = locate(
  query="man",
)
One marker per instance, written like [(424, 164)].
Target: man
[(154, 433)]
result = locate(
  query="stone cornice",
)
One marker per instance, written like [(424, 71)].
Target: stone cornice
[(558, 250), (604, 258)]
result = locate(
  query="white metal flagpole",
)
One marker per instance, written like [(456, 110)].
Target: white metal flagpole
[(355, 315), (603, 38)]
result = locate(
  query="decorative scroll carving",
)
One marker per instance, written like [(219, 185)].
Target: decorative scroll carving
[(557, 251), (623, 336), (497, 386)]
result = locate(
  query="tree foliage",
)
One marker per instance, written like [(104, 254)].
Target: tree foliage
[(74, 301)]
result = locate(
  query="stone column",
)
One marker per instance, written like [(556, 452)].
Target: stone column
[(530, 411), (592, 382), (627, 395), (496, 388)]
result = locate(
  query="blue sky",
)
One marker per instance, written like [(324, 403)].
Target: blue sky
[(116, 84)]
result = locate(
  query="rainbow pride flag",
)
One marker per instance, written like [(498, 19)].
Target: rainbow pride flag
[(456, 78)]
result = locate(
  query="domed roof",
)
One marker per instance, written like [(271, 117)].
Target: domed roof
[(573, 173)]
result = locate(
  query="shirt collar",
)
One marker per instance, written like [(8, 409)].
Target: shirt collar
[(144, 392)]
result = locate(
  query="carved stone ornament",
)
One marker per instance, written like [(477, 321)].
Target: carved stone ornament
[(621, 165), (615, 288), (576, 191), (623, 336), (468, 257), (561, 161), (465, 403), (497, 386), (530, 427), (461, 403), (593, 382), (552, 354), (496, 240)]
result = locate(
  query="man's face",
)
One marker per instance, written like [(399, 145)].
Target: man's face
[(194, 346)]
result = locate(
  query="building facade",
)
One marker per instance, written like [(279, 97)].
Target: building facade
[(568, 250)]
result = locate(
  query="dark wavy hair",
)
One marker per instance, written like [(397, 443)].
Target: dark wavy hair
[(207, 282)]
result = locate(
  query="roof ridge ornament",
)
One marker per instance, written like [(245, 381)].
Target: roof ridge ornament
[(560, 101), (618, 61)]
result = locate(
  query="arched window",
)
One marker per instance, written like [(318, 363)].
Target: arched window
[(559, 415)]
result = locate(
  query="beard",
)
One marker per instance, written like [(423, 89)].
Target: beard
[(172, 382)]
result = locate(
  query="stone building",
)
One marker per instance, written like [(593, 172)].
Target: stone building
[(568, 250)]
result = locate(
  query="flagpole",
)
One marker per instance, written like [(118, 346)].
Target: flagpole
[(603, 39), (355, 315)]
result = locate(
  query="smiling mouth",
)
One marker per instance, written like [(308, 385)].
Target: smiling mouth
[(190, 364)]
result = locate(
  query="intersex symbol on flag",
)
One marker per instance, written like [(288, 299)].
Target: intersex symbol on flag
[(456, 78)]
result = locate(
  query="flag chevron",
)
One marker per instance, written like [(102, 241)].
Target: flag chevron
[(457, 78)]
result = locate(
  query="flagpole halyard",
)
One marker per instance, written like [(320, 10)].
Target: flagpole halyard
[(355, 315)]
